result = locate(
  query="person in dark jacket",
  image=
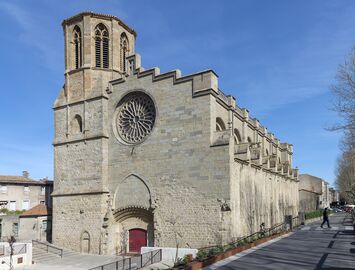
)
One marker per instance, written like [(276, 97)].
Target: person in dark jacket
[(325, 217)]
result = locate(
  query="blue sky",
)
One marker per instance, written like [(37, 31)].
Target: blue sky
[(277, 58)]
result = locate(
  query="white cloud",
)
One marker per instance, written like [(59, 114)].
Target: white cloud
[(34, 34)]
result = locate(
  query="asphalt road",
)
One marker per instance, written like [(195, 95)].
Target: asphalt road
[(309, 247)]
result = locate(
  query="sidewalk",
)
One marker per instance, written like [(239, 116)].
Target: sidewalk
[(304, 249)]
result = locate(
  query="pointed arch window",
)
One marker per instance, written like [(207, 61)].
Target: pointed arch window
[(101, 46), (77, 46), (124, 45)]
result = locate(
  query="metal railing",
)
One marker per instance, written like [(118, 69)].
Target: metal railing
[(264, 232), (17, 249), (135, 262), (48, 248)]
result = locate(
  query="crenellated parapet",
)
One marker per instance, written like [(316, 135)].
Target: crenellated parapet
[(262, 149)]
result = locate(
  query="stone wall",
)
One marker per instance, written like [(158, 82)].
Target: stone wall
[(75, 215), (309, 201), (260, 196), (186, 177)]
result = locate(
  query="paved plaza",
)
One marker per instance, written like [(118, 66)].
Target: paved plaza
[(309, 247)]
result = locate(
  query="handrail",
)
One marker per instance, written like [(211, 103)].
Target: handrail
[(133, 262), (48, 246), (266, 231)]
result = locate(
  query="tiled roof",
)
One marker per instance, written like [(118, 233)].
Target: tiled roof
[(38, 210), (23, 180)]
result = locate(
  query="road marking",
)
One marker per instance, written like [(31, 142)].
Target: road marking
[(319, 229), (348, 228), (306, 228), (244, 253), (334, 228)]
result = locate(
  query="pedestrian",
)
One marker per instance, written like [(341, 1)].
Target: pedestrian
[(325, 217)]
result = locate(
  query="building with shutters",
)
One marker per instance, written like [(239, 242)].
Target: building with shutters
[(144, 158), (19, 193)]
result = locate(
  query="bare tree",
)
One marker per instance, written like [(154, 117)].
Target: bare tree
[(344, 94), (346, 175), (344, 103), (177, 235)]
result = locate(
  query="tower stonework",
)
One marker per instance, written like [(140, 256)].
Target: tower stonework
[(150, 159), (81, 194)]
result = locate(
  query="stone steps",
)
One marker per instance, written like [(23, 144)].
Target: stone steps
[(39, 255)]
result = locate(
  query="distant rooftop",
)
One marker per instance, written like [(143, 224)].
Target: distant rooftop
[(23, 179)]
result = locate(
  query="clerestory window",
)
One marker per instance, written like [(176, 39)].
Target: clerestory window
[(101, 46)]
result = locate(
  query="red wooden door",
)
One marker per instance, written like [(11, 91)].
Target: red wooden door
[(137, 239)]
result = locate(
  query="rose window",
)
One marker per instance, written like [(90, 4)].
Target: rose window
[(135, 118)]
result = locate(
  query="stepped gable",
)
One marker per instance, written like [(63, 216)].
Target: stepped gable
[(204, 82)]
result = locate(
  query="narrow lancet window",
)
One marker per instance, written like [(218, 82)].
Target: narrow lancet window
[(101, 46), (123, 51), (77, 46)]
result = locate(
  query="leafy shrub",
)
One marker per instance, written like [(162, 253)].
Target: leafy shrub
[(229, 247), (254, 238), (8, 212), (215, 250), (187, 259), (242, 242), (201, 254), (313, 214), (180, 262)]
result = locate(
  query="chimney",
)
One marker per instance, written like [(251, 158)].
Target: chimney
[(25, 174)]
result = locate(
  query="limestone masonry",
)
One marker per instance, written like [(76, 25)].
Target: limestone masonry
[(150, 159)]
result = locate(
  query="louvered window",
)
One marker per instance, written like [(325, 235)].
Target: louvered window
[(98, 52), (105, 52), (123, 51), (101, 46), (77, 46)]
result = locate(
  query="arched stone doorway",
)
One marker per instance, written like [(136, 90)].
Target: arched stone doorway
[(134, 229), (133, 216), (85, 242)]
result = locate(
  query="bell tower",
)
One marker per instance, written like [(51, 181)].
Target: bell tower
[(96, 47)]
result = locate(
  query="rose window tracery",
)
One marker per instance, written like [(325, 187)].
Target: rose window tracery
[(135, 118)]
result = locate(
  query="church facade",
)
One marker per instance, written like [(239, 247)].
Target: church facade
[(144, 158)]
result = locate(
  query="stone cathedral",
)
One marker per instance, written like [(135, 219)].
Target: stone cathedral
[(144, 158)]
